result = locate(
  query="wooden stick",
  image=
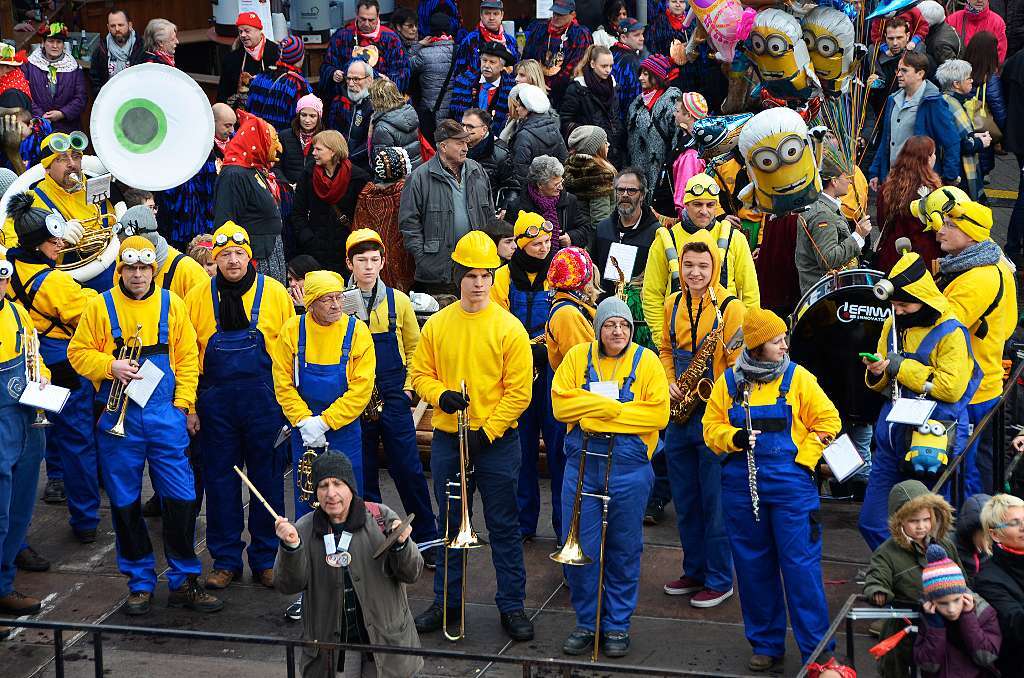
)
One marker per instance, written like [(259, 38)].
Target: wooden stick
[(252, 488), (417, 413)]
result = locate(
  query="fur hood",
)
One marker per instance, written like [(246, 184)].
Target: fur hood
[(585, 178), (911, 496)]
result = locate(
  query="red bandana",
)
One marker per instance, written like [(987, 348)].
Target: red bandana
[(557, 32), (651, 97), (15, 79), (676, 22), (365, 38), (252, 147), (492, 37)]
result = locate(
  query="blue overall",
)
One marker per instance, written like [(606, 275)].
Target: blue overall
[(892, 440), (239, 422), (695, 476), (105, 280), (630, 483), (395, 430), (787, 540), (156, 434), (978, 464), (21, 450), (71, 441), (531, 307), (319, 386)]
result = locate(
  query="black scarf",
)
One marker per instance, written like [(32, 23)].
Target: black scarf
[(482, 150), (30, 257), (602, 89), (232, 310), (522, 263), (355, 521), (926, 316)]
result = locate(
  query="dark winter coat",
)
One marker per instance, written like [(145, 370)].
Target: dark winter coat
[(494, 156), (398, 127), (321, 228), (231, 68), (1012, 12), (99, 65), (570, 217), (467, 55), (592, 185), (1001, 584), (1012, 78), (539, 44), (353, 121), (392, 61), (943, 43), (69, 97), (641, 237), (293, 160), (466, 94), (968, 521), (626, 72), (536, 135), (430, 65), (241, 195), (582, 107), (996, 103), (966, 648)]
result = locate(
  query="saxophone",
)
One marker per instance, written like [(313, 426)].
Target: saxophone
[(692, 381), (620, 287), (374, 407)]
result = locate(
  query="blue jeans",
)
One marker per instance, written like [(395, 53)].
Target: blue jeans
[(495, 473), (860, 436)]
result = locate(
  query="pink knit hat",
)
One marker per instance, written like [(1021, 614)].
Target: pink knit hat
[(310, 101), (570, 269), (695, 104)]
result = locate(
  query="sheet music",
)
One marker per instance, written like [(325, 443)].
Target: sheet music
[(842, 458), (140, 390), (50, 398)]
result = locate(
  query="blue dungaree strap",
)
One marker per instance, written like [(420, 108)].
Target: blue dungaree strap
[(626, 391), (115, 326), (787, 381), (346, 344), (254, 314), (45, 198), (17, 321), (392, 313)]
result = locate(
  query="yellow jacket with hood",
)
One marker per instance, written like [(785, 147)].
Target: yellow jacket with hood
[(568, 327), (60, 297), (726, 350)]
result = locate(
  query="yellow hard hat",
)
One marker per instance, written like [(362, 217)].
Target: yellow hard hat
[(363, 235), (476, 250)]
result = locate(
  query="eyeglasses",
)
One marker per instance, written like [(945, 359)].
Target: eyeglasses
[(534, 231), (132, 256), (1014, 524), (623, 326), (360, 78), (6, 270), (237, 238), (627, 190), (332, 299), (62, 143), (711, 189)]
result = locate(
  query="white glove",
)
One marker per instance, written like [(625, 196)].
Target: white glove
[(313, 431), (119, 209), (73, 232)]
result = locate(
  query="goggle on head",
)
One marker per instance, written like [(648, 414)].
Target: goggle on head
[(6, 269), (130, 257), (534, 230), (236, 238), (942, 202)]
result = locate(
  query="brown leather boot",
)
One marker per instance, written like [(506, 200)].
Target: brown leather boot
[(16, 604), (219, 579), (266, 577), (138, 603), (192, 596)]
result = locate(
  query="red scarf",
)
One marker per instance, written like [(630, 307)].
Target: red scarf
[(252, 147), (492, 37), (651, 97), (623, 46), (15, 79), (369, 37), (676, 22), (442, 38), (306, 139), (256, 52), (557, 32), (164, 57), (1015, 552), (291, 68), (330, 189)]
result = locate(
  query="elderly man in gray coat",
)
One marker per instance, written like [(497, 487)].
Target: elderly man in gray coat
[(348, 596)]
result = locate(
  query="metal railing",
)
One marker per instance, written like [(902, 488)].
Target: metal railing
[(549, 665)]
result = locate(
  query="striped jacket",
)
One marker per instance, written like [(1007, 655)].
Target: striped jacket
[(427, 7), (393, 61), (467, 55), (466, 92), (274, 93), (539, 45), (626, 72)]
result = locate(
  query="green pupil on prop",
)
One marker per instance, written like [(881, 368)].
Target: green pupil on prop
[(140, 125)]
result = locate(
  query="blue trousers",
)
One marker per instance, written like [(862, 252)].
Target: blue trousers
[(396, 432), (695, 475), (71, 440), (786, 541), (495, 473), (238, 426), (629, 485), (21, 450), (661, 492), (978, 464), (860, 436), (538, 420)]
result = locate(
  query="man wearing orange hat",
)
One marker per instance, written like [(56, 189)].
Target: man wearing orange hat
[(253, 55), (135, 312)]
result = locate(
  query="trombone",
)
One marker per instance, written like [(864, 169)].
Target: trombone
[(466, 538), (117, 401), (571, 552), (34, 370)]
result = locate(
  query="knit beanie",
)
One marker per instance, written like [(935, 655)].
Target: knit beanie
[(291, 50), (570, 269), (661, 66), (229, 229), (391, 164), (613, 307), (251, 19), (695, 104), (588, 139), (761, 326), (140, 246), (310, 101), (7, 178), (531, 97), (30, 223), (941, 576), (334, 464)]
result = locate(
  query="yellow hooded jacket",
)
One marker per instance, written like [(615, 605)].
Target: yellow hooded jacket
[(567, 326), (663, 266), (188, 273), (59, 297), (10, 344), (703, 311)]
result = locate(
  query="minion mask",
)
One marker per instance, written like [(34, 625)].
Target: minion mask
[(973, 219), (778, 52), (829, 36), (784, 175)]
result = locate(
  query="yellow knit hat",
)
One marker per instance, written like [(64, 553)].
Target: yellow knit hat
[(761, 326), (228, 236), (136, 250), (528, 221), (318, 283), (701, 187)]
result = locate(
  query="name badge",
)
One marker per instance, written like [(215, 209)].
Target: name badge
[(608, 389)]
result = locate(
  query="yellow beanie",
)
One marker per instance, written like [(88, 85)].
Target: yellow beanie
[(228, 230), (761, 326), (524, 221), (318, 283), (139, 250), (701, 187)]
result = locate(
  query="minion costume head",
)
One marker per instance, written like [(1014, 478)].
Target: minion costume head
[(58, 143), (910, 282), (319, 283), (778, 52), (136, 250), (829, 36), (974, 219), (529, 226), (228, 235), (779, 158)]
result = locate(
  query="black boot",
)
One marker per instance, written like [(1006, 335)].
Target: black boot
[(432, 618), (615, 644), (579, 642), (517, 625), (152, 508)]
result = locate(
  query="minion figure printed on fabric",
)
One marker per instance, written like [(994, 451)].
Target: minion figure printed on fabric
[(777, 51), (780, 161), (928, 444), (829, 36)]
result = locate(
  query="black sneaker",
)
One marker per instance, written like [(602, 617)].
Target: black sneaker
[(54, 492), (138, 603), (615, 644), (432, 618), (294, 611), (580, 641), (191, 595), (152, 507), (30, 561), (654, 513), (517, 625), (430, 558), (85, 536)]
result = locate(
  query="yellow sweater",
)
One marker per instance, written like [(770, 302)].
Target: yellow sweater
[(645, 416), (275, 308), (60, 296), (490, 351), (9, 332), (970, 294), (814, 415), (71, 205), (323, 347), (188, 274), (407, 328), (91, 350), (568, 327)]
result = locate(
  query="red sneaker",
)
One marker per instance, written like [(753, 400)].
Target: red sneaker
[(709, 598), (682, 586)]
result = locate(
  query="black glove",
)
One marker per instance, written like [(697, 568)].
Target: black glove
[(540, 357), (478, 442), (741, 439), (452, 401)]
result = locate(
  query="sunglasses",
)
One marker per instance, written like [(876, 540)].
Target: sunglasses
[(237, 238), (62, 143), (131, 257), (534, 231)]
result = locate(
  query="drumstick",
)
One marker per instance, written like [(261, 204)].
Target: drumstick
[(252, 488), (417, 413)]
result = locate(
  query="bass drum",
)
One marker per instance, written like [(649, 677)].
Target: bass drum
[(838, 318)]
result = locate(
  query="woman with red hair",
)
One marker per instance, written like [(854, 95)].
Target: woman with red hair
[(911, 173)]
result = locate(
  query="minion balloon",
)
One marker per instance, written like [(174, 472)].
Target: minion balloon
[(779, 55), (829, 36), (780, 161)]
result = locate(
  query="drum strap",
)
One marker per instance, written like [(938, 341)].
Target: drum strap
[(982, 330), (25, 294), (807, 230)]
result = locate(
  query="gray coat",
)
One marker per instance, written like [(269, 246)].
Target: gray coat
[(399, 127), (430, 66), (943, 43), (832, 241), (379, 585), (426, 215), (649, 135)]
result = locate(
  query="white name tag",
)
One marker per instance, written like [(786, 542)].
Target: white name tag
[(608, 389)]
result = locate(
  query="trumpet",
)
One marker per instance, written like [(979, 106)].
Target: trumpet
[(34, 370), (304, 477), (117, 401), (466, 538), (572, 552), (374, 408)]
